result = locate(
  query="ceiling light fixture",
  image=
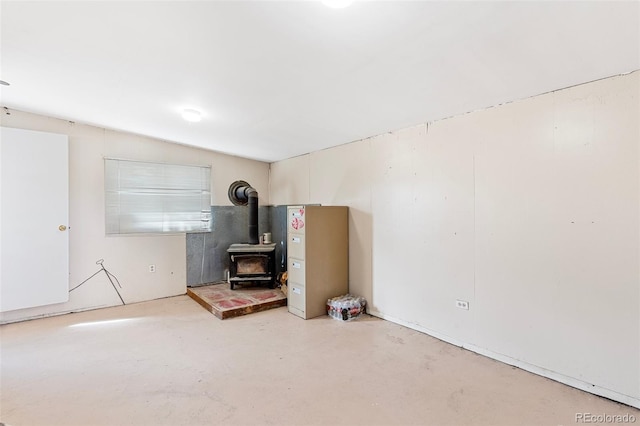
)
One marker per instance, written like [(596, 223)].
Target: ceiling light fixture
[(337, 4), (191, 115)]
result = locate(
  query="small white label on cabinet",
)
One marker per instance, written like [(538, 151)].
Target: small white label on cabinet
[(296, 265), (295, 239), (295, 290)]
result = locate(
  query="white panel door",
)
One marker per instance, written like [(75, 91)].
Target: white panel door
[(34, 214)]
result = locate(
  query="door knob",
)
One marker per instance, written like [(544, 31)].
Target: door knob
[(62, 228)]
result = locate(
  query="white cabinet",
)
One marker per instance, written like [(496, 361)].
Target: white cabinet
[(317, 257)]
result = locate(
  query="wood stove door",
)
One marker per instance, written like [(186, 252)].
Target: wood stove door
[(248, 265)]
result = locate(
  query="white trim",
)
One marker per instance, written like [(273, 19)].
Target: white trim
[(73, 311), (55, 314), (569, 381)]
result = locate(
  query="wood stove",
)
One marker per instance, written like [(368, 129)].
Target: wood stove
[(252, 263)]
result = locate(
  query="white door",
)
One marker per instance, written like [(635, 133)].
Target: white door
[(34, 215)]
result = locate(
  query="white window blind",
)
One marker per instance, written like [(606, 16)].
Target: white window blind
[(145, 197)]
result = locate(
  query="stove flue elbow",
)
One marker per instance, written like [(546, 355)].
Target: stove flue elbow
[(241, 194)]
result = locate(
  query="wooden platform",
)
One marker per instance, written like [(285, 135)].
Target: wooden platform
[(224, 303)]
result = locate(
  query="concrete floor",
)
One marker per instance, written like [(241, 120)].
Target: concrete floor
[(170, 362)]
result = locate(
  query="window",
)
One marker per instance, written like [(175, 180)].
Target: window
[(145, 197)]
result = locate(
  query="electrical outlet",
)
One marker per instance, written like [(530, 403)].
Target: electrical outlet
[(152, 268), (462, 304)]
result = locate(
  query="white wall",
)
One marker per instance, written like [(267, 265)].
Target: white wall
[(530, 211), (127, 257)]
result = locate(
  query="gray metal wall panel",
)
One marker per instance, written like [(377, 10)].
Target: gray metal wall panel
[(207, 259), (279, 236)]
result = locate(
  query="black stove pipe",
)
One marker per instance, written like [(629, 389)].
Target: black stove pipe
[(242, 194), (253, 216)]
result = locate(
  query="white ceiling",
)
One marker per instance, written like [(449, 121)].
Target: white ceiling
[(276, 79)]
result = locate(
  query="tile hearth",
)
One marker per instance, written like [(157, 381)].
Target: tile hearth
[(224, 303)]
